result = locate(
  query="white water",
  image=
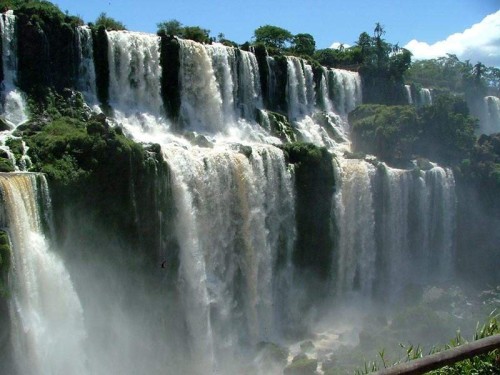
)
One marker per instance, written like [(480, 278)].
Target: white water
[(86, 73), (355, 217), (234, 203), (47, 319), (233, 213), (408, 94), (13, 105), (490, 116), (425, 96), (134, 72), (417, 225)]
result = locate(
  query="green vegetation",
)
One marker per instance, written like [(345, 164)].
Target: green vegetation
[(45, 35), (273, 36), (449, 74), (279, 126), (108, 23), (485, 364), (302, 366), (175, 28), (93, 167), (442, 132)]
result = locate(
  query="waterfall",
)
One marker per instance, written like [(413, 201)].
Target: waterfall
[(201, 100), (225, 70), (300, 89), (47, 320), (396, 227), (134, 72), (425, 96), (415, 226), (13, 105), (234, 214), (356, 220), (250, 97), (344, 90), (86, 82), (490, 116), (408, 94)]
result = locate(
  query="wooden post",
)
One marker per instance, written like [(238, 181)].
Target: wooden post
[(444, 358)]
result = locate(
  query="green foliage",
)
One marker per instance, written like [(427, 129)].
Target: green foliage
[(42, 12), (46, 55), (485, 364), (340, 57), (197, 34), (278, 126), (304, 366), (6, 164), (273, 36), (108, 23), (307, 153), (381, 65), (174, 28), (389, 132), (93, 167), (448, 73), (442, 132), (303, 44), (447, 130)]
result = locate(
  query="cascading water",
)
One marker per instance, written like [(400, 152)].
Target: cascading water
[(300, 89), (234, 203), (12, 102), (490, 116), (344, 88), (415, 226), (250, 97), (47, 318), (86, 73), (135, 71), (201, 100), (408, 94), (356, 220), (425, 96), (234, 214)]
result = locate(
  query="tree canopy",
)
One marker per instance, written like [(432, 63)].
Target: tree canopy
[(108, 23), (175, 28), (273, 36), (304, 44)]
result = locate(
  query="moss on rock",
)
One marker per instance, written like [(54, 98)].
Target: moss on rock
[(303, 366)]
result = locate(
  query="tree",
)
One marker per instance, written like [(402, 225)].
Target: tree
[(171, 27), (109, 23), (273, 36), (174, 28), (196, 33), (304, 44)]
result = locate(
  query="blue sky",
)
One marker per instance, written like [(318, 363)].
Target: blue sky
[(425, 21)]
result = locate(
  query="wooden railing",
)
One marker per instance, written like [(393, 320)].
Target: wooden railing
[(444, 358)]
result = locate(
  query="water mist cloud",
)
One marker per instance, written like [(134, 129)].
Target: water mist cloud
[(480, 42)]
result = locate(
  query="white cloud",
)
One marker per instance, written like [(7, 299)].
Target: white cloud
[(481, 42), (336, 45)]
